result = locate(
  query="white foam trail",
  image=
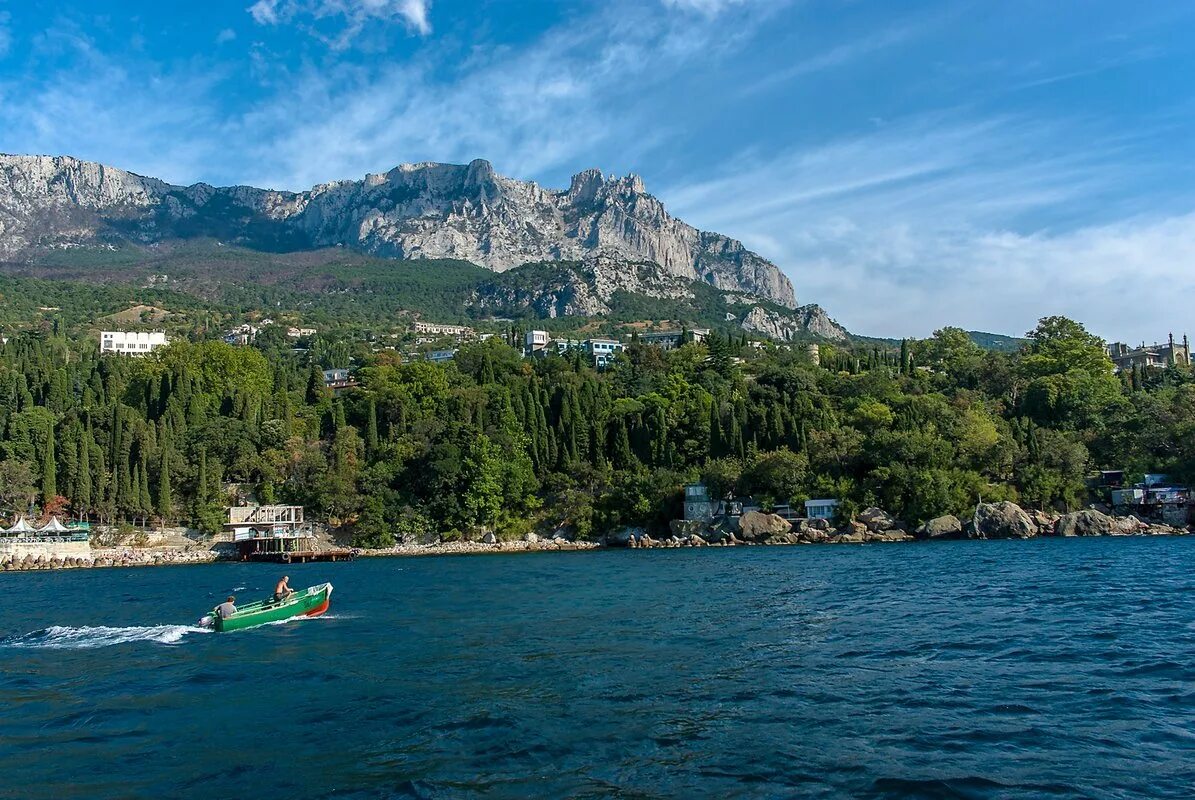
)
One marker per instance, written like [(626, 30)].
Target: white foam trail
[(59, 637)]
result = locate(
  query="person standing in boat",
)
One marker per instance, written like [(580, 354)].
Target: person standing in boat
[(283, 590)]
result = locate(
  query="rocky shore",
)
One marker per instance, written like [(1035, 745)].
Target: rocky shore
[(530, 544), (1002, 520)]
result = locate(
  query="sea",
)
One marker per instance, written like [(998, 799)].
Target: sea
[(1020, 669)]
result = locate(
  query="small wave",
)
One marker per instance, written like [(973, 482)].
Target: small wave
[(58, 637)]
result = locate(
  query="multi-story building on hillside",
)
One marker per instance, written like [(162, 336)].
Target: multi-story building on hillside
[(670, 340), (438, 329), (135, 343)]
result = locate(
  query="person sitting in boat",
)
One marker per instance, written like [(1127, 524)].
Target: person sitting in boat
[(282, 591), (227, 608)]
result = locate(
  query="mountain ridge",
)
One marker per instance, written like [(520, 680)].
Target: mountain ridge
[(413, 211)]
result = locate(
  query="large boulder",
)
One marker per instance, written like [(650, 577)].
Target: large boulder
[(756, 526), (877, 519), (489, 538), (1003, 520), (947, 527), (852, 528), (1088, 522)]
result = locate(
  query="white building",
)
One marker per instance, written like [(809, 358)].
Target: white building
[(132, 342), (535, 341), (437, 329), (603, 351), (821, 509)]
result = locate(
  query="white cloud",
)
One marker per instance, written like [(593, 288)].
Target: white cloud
[(356, 13), (547, 105), (923, 224), (226, 35), (708, 7)]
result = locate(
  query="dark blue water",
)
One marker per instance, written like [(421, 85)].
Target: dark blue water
[(962, 669)]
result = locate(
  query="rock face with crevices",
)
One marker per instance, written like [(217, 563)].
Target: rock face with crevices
[(426, 210)]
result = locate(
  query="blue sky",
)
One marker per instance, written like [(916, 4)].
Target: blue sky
[(908, 164)]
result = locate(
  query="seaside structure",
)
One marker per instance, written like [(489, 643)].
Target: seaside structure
[(824, 508), (698, 505), (276, 533), (1156, 496), (1169, 354), (51, 540), (137, 343)]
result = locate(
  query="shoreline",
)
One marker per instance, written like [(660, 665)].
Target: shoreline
[(110, 558)]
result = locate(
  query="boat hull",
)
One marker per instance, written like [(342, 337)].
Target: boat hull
[(310, 602)]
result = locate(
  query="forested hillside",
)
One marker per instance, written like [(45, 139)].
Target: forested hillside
[(493, 441)]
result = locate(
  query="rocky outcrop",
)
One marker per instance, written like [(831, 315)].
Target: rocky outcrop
[(1084, 523), (756, 526), (423, 210), (877, 519), (1003, 520), (785, 326), (947, 527)]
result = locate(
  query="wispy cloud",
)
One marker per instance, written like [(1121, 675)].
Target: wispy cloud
[(356, 14), (548, 105), (839, 55), (927, 223), (708, 7)]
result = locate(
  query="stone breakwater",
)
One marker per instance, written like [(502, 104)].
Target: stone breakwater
[(109, 557)]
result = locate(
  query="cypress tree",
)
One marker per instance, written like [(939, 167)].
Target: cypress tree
[(165, 500), (144, 499), (371, 428), (49, 468), (82, 496), (715, 448), (201, 494)]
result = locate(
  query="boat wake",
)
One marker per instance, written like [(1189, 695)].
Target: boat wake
[(59, 637)]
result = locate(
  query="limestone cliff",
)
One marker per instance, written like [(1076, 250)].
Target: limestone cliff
[(424, 210)]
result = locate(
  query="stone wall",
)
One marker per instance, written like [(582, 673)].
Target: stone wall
[(11, 550)]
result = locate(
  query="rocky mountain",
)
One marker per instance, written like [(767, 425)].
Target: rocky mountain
[(414, 211), (602, 286)]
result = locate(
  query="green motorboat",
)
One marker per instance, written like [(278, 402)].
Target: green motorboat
[(309, 602)]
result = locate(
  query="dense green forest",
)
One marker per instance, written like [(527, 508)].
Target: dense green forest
[(494, 441)]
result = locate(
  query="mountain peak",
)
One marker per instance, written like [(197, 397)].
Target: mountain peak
[(425, 210)]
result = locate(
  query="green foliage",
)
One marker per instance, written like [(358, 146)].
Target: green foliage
[(493, 442)]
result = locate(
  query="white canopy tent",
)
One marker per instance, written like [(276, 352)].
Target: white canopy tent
[(21, 527)]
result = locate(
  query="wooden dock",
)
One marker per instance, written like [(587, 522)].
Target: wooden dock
[(299, 556)]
